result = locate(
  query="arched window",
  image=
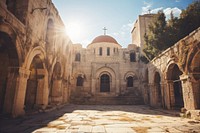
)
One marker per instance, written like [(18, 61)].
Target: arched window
[(132, 57), (78, 57), (100, 51), (130, 81), (108, 51), (79, 81), (104, 83)]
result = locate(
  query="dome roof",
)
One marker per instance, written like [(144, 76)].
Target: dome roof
[(104, 38)]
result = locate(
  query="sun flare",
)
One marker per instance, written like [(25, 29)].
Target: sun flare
[(73, 30)]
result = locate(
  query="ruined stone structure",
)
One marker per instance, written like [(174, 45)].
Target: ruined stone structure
[(106, 73), (33, 53), (174, 75), (40, 68)]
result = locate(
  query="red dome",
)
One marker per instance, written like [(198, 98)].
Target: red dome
[(104, 38)]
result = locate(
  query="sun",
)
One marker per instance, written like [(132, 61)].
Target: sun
[(73, 30)]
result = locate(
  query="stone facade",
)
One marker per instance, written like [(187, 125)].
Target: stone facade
[(105, 64), (33, 52)]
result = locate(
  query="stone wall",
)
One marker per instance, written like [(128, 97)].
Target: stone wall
[(179, 70), (38, 65)]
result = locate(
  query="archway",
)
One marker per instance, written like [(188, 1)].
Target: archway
[(173, 74), (55, 91), (105, 83), (158, 92), (130, 81), (9, 64), (35, 85), (195, 73)]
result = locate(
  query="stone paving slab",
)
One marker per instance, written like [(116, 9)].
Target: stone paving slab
[(102, 119)]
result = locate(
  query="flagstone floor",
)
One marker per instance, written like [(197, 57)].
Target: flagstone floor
[(102, 119)]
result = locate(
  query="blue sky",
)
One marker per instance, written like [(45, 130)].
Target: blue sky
[(86, 18)]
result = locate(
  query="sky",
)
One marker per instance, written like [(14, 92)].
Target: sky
[(85, 19)]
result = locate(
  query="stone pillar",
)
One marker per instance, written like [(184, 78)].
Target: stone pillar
[(188, 92), (93, 86), (20, 92), (57, 91), (163, 94), (42, 88), (152, 94), (117, 87), (170, 94), (12, 80)]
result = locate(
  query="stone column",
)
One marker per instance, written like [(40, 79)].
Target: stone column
[(117, 87), (163, 94), (93, 86), (188, 92), (57, 91), (20, 92), (152, 94), (170, 101), (12, 79), (42, 88)]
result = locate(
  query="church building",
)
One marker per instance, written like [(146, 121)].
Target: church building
[(106, 72)]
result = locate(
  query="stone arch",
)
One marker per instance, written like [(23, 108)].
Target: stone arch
[(130, 77), (194, 75), (157, 91), (105, 82), (9, 70), (173, 77), (55, 88), (112, 78), (10, 31), (36, 95)]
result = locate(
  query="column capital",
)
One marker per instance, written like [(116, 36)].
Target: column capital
[(184, 77), (24, 72)]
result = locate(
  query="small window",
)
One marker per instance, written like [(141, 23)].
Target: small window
[(130, 81), (100, 51), (114, 50), (79, 81), (108, 51), (78, 57), (132, 57)]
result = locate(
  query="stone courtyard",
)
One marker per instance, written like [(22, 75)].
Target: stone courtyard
[(101, 119)]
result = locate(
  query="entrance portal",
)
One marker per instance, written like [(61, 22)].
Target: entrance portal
[(174, 75), (105, 83)]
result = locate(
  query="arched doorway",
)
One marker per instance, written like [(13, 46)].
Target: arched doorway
[(195, 71), (174, 75), (104, 83), (158, 91), (130, 81), (55, 91), (9, 65), (35, 85)]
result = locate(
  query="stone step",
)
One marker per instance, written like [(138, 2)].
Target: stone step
[(105, 100)]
